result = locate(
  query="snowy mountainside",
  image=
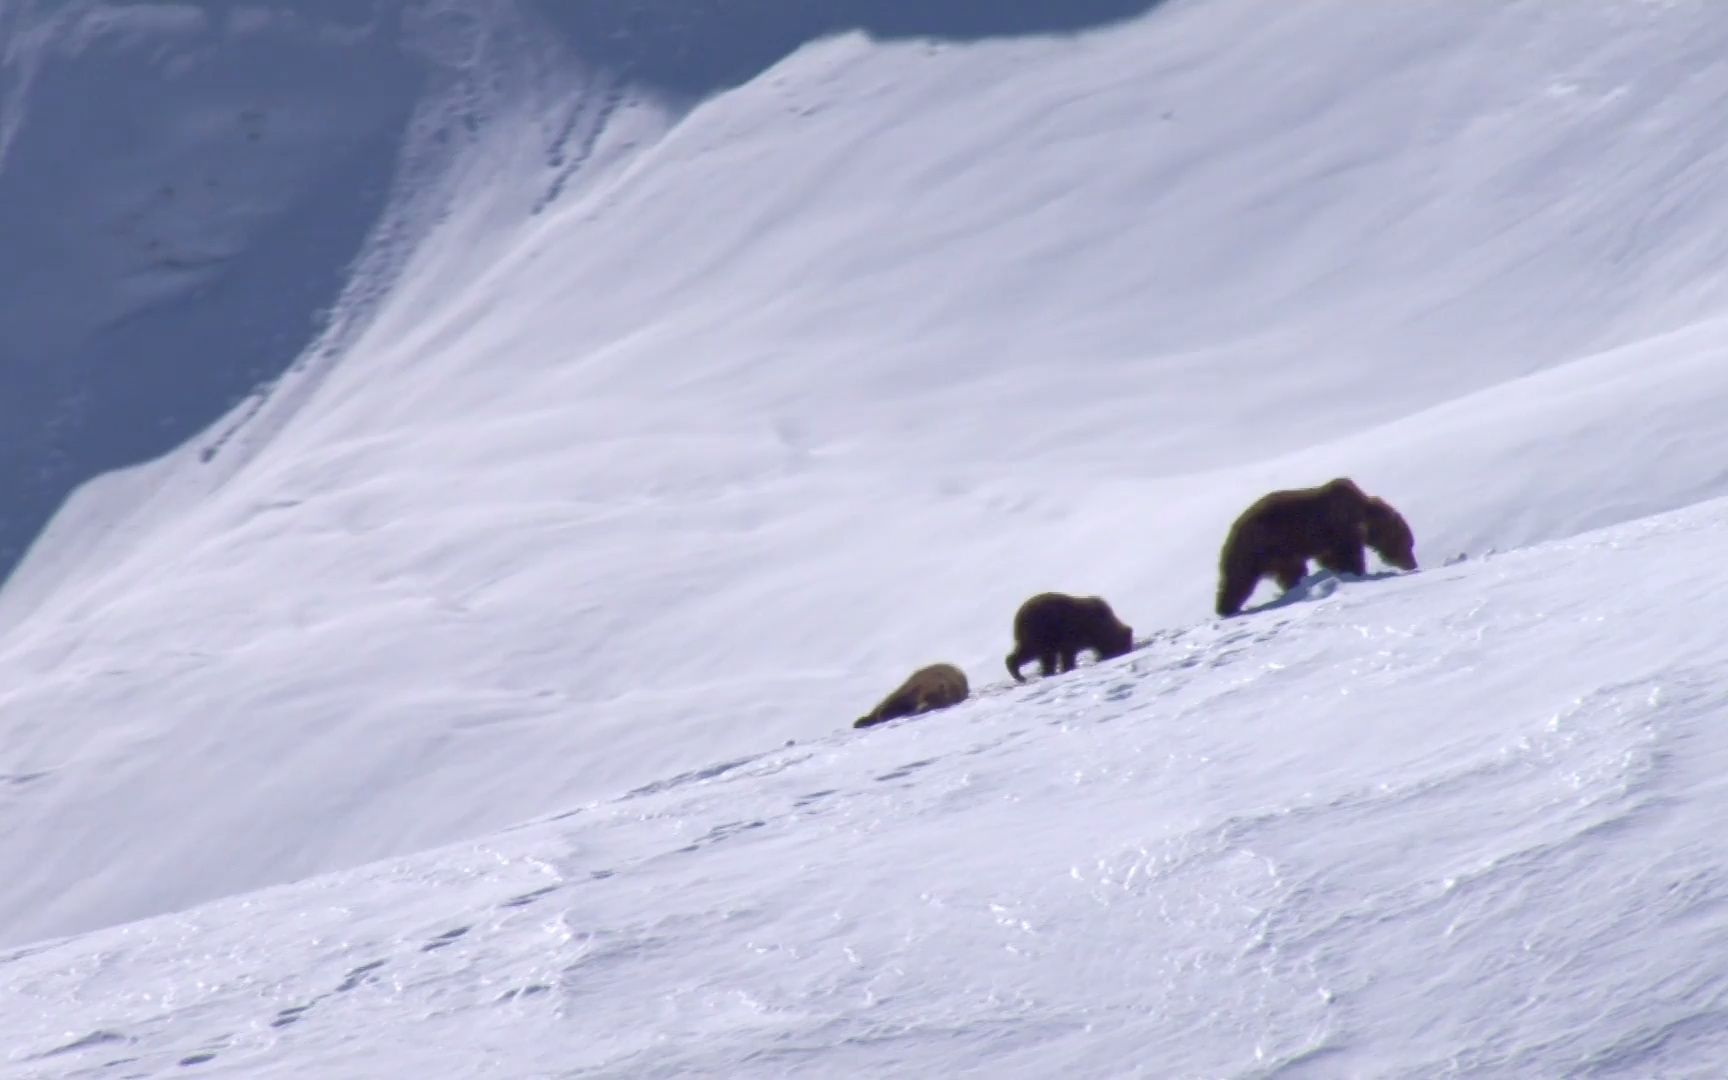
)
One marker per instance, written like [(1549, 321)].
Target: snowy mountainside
[(1461, 822), (181, 194), (805, 383)]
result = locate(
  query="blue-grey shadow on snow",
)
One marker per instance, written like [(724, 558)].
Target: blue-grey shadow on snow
[(1319, 585), (692, 48), (153, 280), (200, 328)]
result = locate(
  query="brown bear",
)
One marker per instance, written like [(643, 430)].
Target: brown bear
[(925, 690), (1054, 628), (1277, 536)]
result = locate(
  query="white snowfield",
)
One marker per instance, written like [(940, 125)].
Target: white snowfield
[(1463, 823), (475, 698)]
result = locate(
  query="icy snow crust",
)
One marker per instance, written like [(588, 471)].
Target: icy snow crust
[(656, 427)]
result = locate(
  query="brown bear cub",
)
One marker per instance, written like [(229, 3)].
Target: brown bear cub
[(1054, 628), (1277, 536), (929, 688)]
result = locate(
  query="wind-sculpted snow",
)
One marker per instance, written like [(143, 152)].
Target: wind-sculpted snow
[(654, 429), (1458, 823)]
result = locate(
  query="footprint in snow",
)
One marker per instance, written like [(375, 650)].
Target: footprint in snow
[(291, 1015), (905, 770), (446, 938), (1122, 691), (528, 897), (358, 975)]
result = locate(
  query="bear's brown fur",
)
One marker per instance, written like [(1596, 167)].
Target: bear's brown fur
[(1277, 536), (1054, 628), (927, 689)]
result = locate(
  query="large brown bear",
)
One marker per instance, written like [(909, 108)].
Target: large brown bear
[(927, 689), (1279, 534), (1054, 628)]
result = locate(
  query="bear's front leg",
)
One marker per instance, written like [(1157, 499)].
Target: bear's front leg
[(1290, 573), (1234, 589), (1346, 559)]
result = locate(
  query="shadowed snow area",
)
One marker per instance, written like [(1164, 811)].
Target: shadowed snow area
[(181, 193), (692, 48), (559, 401)]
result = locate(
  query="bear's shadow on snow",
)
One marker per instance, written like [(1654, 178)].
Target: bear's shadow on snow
[(1318, 586), (691, 49)]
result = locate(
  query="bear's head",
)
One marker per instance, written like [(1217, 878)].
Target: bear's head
[(1389, 534), (881, 714), (1113, 637)]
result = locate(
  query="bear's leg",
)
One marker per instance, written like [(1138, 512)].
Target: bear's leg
[(1290, 573), (1234, 589), (1051, 663), (1346, 559), (1070, 659)]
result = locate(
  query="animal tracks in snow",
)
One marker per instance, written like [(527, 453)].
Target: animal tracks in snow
[(448, 937), (528, 897), (630, 842), (359, 975)]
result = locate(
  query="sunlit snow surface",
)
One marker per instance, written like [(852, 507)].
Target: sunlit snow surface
[(1459, 823), (790, 390), (474, 698)]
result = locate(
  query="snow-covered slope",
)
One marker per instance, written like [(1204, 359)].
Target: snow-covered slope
[(683, 428), (1458, 823), (182, 191)]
